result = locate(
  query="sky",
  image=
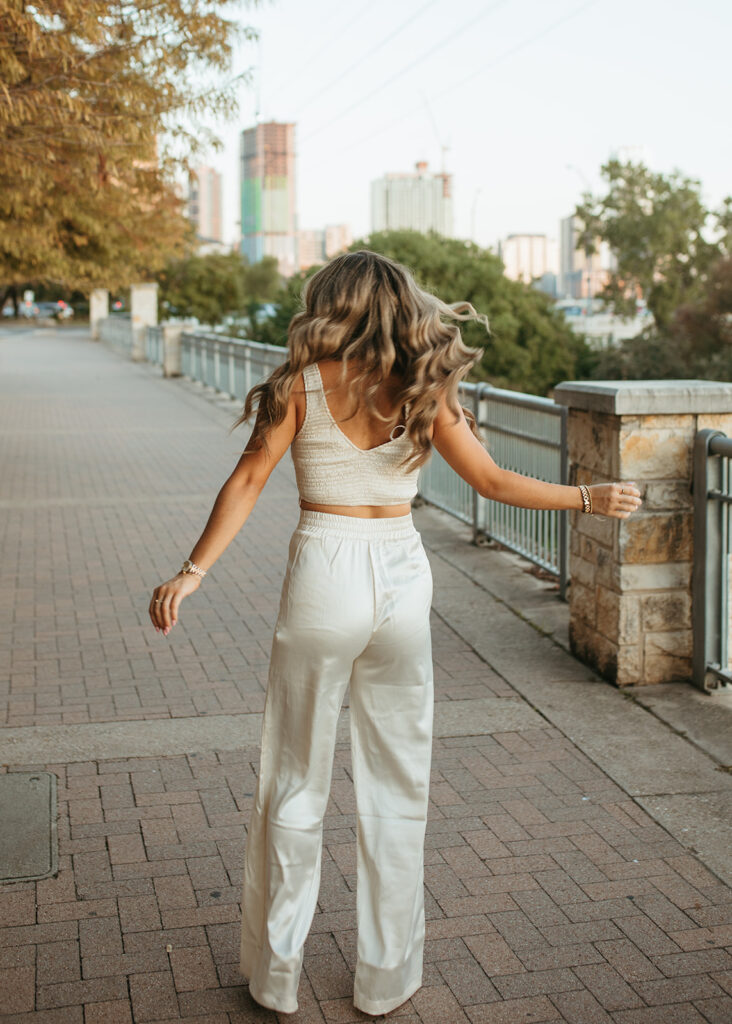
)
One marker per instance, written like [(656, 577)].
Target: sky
[(523, 100)]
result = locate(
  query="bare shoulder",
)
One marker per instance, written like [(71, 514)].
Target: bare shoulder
[(447, 416)]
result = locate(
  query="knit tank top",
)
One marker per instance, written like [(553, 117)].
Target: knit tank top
[(331, 470)]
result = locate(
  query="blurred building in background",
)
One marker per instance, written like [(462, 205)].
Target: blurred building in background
[(321, 244), (581, 275), (532, 259), (268, 214), (338, 237), (203, 207), (418, 200)]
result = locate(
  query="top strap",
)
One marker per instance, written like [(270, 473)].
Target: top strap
[(311, 377)]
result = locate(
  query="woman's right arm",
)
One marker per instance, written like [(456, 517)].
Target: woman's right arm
[(230, 511), (462, 450)]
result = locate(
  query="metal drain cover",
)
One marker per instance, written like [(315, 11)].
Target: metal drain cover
[(28, 836)]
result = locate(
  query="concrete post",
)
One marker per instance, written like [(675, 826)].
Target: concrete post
[(630, 595), (171, 347), (144, 307), (98, 310)]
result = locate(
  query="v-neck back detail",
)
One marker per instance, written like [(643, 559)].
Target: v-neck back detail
[(332, 470), (345, 436)]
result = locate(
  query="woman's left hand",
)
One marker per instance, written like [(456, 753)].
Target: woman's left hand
[(615, 500)]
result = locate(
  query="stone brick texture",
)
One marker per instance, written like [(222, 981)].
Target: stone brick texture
[(630, 598), (550, 894)]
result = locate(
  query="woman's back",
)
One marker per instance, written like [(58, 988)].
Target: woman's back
[(350, 460), (363, 429)]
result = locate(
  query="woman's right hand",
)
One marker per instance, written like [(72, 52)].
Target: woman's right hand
[(167, 597), (615, 500)]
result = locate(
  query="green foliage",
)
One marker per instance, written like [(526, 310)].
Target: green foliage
[(214, 286), (696, 344), (272, 330), (94, 99), (657, 226)]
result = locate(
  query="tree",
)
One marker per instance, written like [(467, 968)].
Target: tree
[(530, 347), (213, 286), (657, 226), (697, 342), (93, 99)]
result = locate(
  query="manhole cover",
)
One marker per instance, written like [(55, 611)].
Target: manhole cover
[(28, 838)]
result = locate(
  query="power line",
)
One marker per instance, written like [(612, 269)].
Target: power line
[(380, 88), (473, 74), (519, 46), (368, 54), (314, 56)]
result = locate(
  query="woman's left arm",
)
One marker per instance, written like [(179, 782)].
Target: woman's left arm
[(462, 450)]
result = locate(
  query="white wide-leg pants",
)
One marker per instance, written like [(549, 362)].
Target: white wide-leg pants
[(354, 609)]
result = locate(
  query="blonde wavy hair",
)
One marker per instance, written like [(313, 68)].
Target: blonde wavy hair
[(365, 307)]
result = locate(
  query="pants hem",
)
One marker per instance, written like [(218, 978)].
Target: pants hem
[(378, 1006), (262, 1000)]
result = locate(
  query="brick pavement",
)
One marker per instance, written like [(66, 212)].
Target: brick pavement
[(551, 895)]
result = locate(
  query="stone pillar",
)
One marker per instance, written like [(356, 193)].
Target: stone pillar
[(98, 310), (171, 346), (144, 308), (630, 593)]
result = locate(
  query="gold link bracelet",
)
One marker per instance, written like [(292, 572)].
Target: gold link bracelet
[(586, 498)]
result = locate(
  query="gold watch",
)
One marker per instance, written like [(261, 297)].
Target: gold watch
[(192, 569)]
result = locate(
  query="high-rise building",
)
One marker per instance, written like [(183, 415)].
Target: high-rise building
[(581, 275), (418, 200), (204, 204), (310, 248), (268, 217), (338, 237), (319, 245), (528, 257)]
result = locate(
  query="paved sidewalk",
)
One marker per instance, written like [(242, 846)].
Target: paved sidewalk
[(552, 893)]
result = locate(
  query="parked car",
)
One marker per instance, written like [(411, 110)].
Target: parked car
[(58, 310)]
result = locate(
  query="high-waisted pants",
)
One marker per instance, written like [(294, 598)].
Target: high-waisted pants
[(354, 609)]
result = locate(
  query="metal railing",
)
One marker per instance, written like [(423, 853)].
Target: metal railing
[(712, 664), (154, 345), (230, 365), (523, 433), (117, 332)]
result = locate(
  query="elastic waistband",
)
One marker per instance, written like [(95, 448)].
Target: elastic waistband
[(390, 528)]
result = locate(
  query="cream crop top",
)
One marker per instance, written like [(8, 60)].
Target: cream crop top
[(331, 470)]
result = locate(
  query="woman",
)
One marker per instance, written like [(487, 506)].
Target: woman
[(369, 388)]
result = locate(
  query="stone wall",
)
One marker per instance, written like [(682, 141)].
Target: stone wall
[(630, 593)]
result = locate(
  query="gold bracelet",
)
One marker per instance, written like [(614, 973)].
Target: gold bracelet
[(586, 498)]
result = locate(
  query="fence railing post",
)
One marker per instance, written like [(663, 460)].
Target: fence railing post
[(563, 525), (709, 561), (476, 496)]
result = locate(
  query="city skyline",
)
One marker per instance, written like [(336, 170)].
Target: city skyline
[(553, 92)]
